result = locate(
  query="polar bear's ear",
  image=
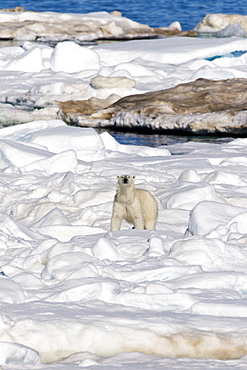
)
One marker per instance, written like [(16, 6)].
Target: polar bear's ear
[(134, 177), (118, 177)]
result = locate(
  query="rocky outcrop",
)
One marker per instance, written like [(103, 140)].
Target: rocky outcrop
[(18, 24), (202, 106)]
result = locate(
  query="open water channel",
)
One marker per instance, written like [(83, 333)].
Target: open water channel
[(160, 139)]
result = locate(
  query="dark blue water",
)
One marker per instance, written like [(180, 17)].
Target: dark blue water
[(158, 139), (155, 13)]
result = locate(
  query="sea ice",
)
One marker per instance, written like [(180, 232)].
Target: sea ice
[(75, 294), (28, 25), (36, 76)]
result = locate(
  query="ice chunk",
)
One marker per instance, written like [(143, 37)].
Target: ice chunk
[(235, 29), (85, 142), (207, 216), (17, 355), (70, 57), (105, 249), (29, 61), (101, 82), (188, 196), (10, 292), (62, 162)]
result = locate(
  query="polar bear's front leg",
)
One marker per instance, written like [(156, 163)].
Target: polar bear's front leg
[(117, 217), (138, 223), (136, 216)]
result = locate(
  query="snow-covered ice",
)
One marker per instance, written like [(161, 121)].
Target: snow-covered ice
[(73, 294), (34, 76), (76, 295), (32, 26)]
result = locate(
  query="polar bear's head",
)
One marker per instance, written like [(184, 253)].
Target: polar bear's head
[(126, 179)]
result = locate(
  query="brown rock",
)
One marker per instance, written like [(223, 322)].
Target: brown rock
[(202, 106)]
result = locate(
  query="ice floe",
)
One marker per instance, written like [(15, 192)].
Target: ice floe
[(32, 26), (36, 78)]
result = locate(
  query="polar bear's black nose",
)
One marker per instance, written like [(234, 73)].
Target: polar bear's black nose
[(125, 180)]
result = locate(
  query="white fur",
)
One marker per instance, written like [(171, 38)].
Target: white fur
[(136, 206)]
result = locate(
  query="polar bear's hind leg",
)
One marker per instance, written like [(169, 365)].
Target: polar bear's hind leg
[(149, 209), (150, 225)]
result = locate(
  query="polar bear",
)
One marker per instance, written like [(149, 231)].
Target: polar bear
[(136, 206)]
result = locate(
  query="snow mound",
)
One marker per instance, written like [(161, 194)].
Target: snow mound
[(70, 57)]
